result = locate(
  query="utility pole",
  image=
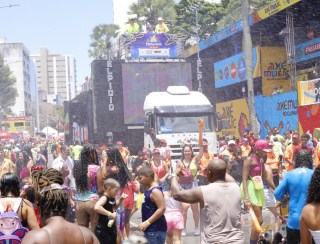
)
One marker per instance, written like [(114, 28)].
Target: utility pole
[(247, 48)]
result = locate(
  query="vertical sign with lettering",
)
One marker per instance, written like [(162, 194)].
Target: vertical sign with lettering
[(107, 96)]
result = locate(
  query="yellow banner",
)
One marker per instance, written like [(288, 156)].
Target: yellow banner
[(272, 9), (275, 75), (309, 92), (233, 117)]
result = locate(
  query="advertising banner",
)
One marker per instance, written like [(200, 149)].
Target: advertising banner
[(233, 70), (309, 92), (309, 118), (272, 9), (152, 45), (233, 118), (139, 79), (308, 50), (280, 111), (223, 34), (274, 70)]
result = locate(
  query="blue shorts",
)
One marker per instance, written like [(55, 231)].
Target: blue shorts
[(155, 237), (190, 186)]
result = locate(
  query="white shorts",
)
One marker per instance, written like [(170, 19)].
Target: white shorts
[(270, 199)]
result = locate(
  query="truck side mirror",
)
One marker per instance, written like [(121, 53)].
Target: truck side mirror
[(147, 124), (146, 127)]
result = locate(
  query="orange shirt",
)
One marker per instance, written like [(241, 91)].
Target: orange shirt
[(245, 150), (204, 162), (273, 160), (289, 154), (124, 153)]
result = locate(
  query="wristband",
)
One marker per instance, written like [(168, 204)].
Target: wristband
[(173, 175), (148, 222)]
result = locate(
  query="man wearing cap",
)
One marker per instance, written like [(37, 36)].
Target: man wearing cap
[(288, 154), (165, 151), (161, 27), (132, 27), (125, 153), (245, 147), (230, 149)]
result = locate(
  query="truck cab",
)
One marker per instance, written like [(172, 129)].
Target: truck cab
[(173, 115)]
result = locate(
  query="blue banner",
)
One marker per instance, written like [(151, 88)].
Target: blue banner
[(223, 34), (152, 45), (308, 50), (280, 111), (233, 70)]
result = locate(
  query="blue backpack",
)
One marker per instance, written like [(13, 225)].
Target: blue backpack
[(11, 230)]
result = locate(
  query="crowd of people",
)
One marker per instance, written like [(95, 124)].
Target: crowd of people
[(88, 193)]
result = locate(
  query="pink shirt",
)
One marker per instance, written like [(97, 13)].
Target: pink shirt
[(130, 189)]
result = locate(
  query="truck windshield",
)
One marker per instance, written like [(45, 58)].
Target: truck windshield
[(183, 124)]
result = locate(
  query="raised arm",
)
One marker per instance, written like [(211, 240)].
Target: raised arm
[(188, 196)]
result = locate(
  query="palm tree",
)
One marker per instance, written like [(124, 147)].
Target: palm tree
[(102, 40), (153, 9)]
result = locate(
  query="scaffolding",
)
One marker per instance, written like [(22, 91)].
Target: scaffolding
[(288, 34)]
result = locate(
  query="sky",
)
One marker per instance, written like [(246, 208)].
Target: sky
[(62, 26)]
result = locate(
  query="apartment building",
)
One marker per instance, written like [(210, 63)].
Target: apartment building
[(56, 75)]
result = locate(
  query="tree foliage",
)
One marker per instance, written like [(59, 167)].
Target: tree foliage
[(232, 10), (102, 40), (208, 16), (8, 90), (153, 9)]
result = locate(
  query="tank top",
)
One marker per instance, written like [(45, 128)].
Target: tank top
[(160, 170), (257, 168), (188, 173), (109, 206), (149, 208), (92, 192), (221, 222), (316, 236), (171, 204)]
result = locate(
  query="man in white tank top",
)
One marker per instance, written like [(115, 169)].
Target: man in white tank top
[(220, 205)]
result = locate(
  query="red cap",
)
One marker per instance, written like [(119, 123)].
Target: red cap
[(163, 141), (262, 145), (156, 151)]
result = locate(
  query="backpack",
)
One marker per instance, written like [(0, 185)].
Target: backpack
[(11, 230)]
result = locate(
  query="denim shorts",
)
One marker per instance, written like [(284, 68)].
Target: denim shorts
[(190, 186), (155, 237)]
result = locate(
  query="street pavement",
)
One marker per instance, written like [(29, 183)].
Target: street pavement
[(191, 239)]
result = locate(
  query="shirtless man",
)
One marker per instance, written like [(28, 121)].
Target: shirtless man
[(52, 202)]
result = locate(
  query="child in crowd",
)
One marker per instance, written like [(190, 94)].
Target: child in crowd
[(174, 218), (128, 204), (154, 222), (106, 230)]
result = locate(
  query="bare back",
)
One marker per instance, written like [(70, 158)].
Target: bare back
[(62, 232), (311, 216)]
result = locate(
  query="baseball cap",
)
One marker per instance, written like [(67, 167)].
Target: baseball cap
[(163, 141), (245, 139), (231, 142), (160, 19), (262, 145)]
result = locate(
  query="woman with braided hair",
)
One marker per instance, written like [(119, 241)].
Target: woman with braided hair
[(88, 178), (52, 201), (310, 216)]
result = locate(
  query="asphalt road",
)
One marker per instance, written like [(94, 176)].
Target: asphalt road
[(191, 239)]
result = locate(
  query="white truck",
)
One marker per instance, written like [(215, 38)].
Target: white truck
[(173, 115)]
